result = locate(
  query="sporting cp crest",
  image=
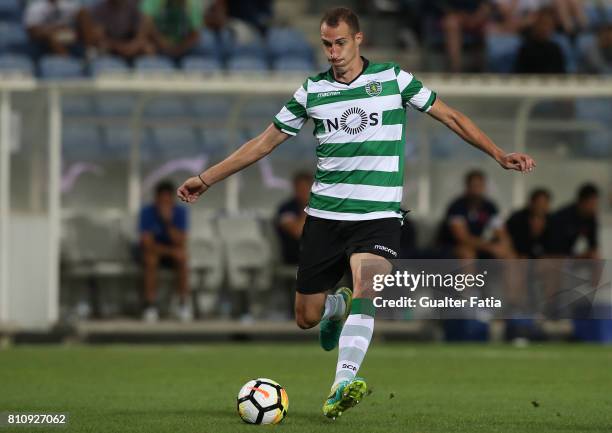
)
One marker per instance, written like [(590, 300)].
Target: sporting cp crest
[(373, 88)]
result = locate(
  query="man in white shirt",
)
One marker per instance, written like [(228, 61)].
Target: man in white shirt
[(52, 25)]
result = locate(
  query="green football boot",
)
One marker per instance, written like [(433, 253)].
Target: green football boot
[(329, 330), (344, 396)]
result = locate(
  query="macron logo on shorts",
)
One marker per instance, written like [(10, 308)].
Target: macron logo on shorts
[(386, 249)]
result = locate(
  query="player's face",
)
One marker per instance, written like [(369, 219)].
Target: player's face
[(341, 46)]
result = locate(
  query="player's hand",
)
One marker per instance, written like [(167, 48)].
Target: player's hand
[(518, 161), (191, 189)]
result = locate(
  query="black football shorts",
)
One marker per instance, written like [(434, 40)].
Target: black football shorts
[(326, 247)]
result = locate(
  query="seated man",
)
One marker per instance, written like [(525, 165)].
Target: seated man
[(163, 242), (527, 227), (51, 25), (472, 227), (597, 58), (174, 25), (290, 218), (117, 27), (574, 227), (539, 53)]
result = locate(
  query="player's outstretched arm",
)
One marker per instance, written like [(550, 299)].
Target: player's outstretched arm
[(463, 126), (250, 152)]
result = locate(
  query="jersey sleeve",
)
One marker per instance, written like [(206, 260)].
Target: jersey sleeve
[(293, 115), (413, 92)]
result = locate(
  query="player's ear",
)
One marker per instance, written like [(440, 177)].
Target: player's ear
[(359, 38)]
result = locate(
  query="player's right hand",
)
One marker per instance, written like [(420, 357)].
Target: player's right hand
[(191, 189)]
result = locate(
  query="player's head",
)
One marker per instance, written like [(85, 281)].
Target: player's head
[(302, 182), (475, 184), (539, 201), (341, 37), (164, 193), (588, 199)]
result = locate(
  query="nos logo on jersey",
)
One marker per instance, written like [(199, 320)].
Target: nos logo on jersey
[(353, 121)]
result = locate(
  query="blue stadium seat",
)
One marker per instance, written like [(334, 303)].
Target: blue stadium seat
[(82, 142), (294, 64), (217, 142), (153, 64), (598, 143), (583, 45), (57, 67), (247, 63), (117, 142), (571, 63), (176, 142), (167, 106), (197, 64), (10, 10), (501, 52), (115, 105), (108, 65), (212, 107), (16, 64), (77, 105), (255, 48), (282, 41), (13, 38), (213, 44)]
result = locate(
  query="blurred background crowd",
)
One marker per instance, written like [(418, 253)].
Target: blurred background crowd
[(498, 36)]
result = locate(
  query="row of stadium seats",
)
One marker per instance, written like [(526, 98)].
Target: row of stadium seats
[(56, 67), (283, 49), (502, 51), (92, 143), (112, 143), (239, 250)]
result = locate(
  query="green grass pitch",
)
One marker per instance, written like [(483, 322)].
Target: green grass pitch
[(416, 387)]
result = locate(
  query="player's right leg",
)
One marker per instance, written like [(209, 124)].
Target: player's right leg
[(322, 264)]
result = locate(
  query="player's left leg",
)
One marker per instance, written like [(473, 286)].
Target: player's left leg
[(348, 389)]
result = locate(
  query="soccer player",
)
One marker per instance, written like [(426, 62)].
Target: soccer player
[(359, 110)]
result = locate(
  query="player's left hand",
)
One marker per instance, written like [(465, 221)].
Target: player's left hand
[(518, 161)]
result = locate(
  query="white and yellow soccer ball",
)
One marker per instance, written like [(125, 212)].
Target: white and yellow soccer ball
[(262, 401)]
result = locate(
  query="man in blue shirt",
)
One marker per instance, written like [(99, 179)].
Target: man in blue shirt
[(163, 242)]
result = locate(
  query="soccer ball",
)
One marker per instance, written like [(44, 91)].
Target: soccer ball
[(262, 401)]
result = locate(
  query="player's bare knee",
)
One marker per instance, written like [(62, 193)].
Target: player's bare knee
[(305, 320)]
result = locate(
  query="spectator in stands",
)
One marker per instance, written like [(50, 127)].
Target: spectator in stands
[(52, 26), (514, 16), (256, 13), (174, 25), (527, 227), (597, 58), (117, 27), (290, 218), (472, 227), (571, 16), (574, 227), (163, 242), (539, 53), (458, 18)]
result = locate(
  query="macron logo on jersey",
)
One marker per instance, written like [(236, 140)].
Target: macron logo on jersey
[(386, 249), (326, 94)]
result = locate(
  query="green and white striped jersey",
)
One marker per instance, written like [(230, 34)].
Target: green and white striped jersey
[(360, 127)]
